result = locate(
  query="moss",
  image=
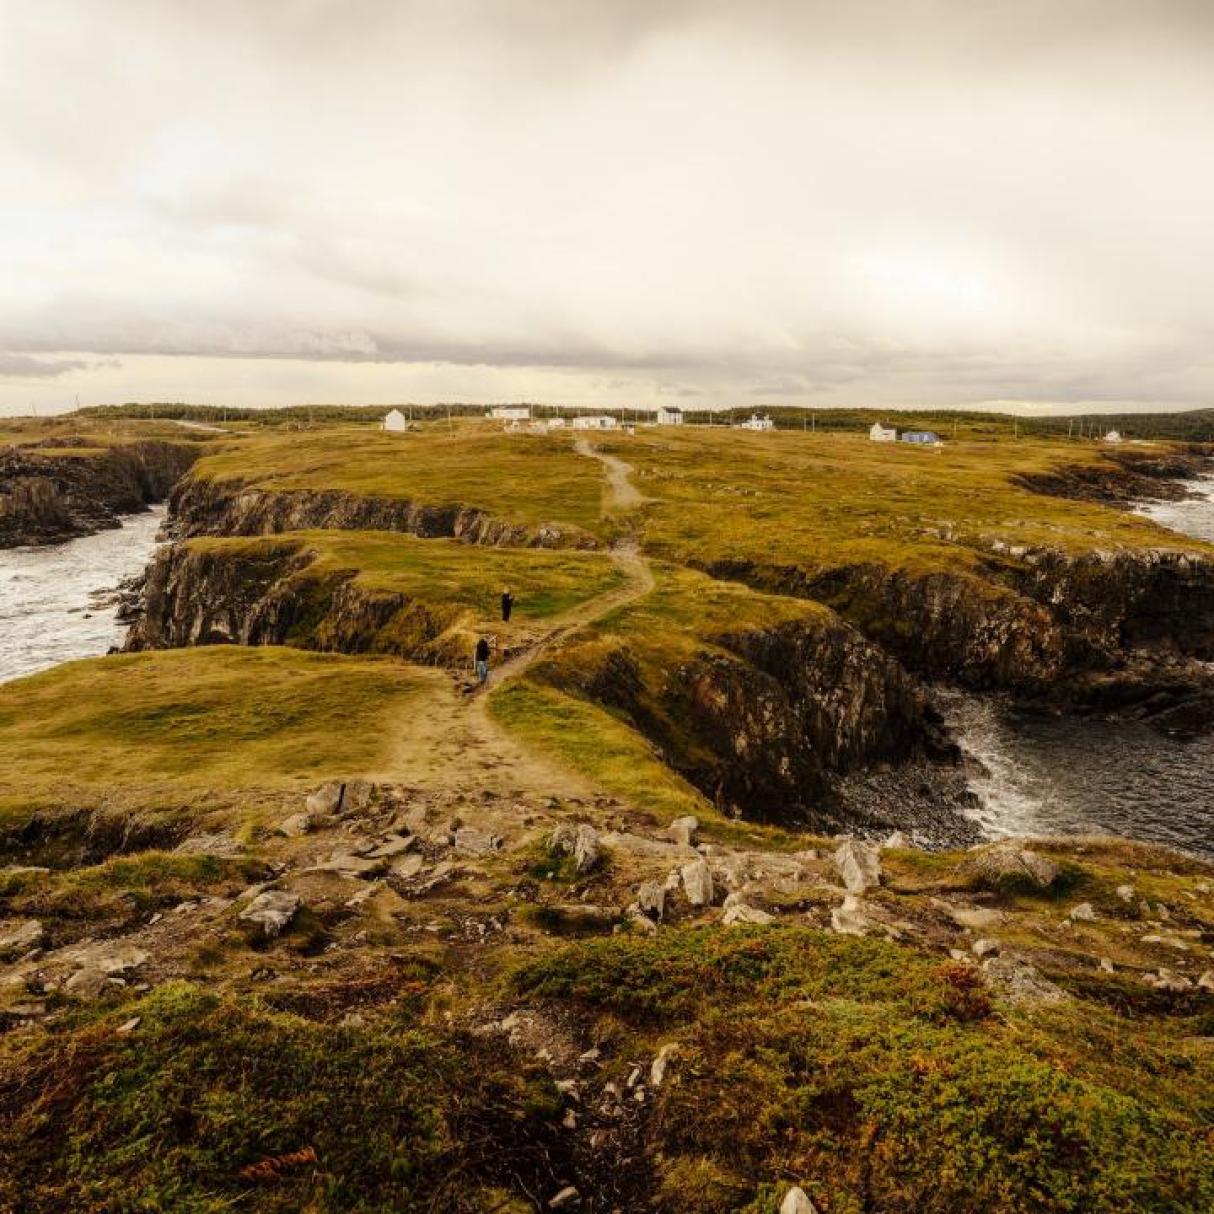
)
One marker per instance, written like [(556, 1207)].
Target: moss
[(168, 1117)]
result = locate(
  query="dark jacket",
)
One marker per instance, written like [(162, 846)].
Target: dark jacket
[(482, 650)]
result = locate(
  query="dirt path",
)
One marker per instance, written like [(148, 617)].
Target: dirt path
[(621, 492), (457, 747)]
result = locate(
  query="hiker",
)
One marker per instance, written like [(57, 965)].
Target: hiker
[(482, 661), (507, 604)]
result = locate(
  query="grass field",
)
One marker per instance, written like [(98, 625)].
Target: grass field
[(822, 501), (526, 478), (163, 727)]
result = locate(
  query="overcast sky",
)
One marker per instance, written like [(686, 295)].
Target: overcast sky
[(626, 201)]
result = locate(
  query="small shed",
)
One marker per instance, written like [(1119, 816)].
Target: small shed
[(594, 421), (394, 421), (925, 438), (670, 415), (882, 434)]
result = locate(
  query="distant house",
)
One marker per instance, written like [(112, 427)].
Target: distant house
[(879, 434), (670, 415), (1113, 436), (755, 422), (594, 421), (394, 421), (925, 438), (511, 413), (556, 423)]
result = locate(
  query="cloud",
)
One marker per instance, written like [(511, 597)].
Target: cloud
[(888, 200), (22, 366)]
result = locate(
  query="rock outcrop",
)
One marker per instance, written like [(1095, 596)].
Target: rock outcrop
[(46, 498), (206, 506)]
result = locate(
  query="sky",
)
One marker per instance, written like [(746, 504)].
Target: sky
[(624, 202)]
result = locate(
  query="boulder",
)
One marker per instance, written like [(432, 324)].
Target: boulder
[(641, 846), (894, 842), (1084, 912), (973, 918), (566, 1199), (651, 899), (697, 883), (683, 830), (859, 865), (1169, 980), (326, 799), (18, 936), (1009, 860), (272, 911), (89, 982), (1125, 893), (346, 864), (585, 848), (796, 1201), (850, 919), (985, 947), (408, 866)]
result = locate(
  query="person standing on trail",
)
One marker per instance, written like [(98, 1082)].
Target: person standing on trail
[(507, 604), (482, 661)]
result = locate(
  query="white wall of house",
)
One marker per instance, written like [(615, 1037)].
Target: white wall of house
[(670, 417), (511, 413), (395, 422), (880, 434)]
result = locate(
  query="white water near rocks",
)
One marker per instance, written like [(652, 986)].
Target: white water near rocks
[(1037, 775), (48, 608)]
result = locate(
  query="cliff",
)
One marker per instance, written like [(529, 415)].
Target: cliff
[(46, 498), (206, 506)]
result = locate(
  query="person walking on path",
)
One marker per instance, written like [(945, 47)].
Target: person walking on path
[(482, 661), (507, 604)]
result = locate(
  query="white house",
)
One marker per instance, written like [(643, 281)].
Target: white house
[(670, 415), (755, 422), (556, 423), (594, 421), (879, 434), (511, 413), (394, 421), (1113, 436)]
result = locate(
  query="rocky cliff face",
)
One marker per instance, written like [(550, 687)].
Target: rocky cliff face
[(273, 596), (201, 506), (764, 722), (46, 498)]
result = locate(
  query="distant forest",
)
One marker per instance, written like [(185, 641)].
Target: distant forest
[(1196, 425)]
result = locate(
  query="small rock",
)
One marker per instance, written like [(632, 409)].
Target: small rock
[(651, 899), (129, 1026), (683, 830), (295, 825), (642, 923), (985, 947), (393, 845), (408, 866), (697, 883), (796, 1201), (565, 1199), (859, 865), (1125, 893), (471, 842), (364, 895), (1206, 981), (893, 842), (661, 1061), (1106, 965), (975, 918), (1084, 912), (18, 936), (743, 914), (850, 919), (88, 983), (348, 865), (1168, 980), (272, 910)]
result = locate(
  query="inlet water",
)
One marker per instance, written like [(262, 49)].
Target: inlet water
[(48, 596)]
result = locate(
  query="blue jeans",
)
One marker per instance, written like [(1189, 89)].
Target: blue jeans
[(482, 671)]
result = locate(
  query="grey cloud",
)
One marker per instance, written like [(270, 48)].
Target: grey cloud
[(22, 366)]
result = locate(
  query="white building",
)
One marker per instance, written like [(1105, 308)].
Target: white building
[(511, 413), (879, 434), (594, 421), (755, 422), (394, 421), (1113, 436), (670, 415), (556, 423)]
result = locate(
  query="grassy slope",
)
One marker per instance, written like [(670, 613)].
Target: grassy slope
[(525, 478), (162, 728)]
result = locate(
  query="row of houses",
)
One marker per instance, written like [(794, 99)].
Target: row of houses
[(888, 434)]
